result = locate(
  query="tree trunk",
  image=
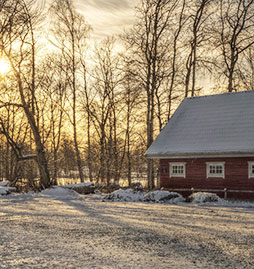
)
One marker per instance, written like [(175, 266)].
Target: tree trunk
[(89, 160), (128, 140), (41, 158), (102, 154), (78, 158), (150, 168)]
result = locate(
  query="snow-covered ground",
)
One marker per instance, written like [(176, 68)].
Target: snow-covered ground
[(59, 228)]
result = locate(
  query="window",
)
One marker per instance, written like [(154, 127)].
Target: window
[(251, 169), (164, 169), (177, 169), (215, 170)]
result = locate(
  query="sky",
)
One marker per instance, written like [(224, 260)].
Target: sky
[(107, 17)]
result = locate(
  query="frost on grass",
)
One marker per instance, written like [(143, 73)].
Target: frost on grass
[(203, 197), (41, 231)]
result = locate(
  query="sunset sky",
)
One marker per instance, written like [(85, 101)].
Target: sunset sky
[(107, 17)]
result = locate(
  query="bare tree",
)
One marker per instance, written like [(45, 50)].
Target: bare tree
[(106, 77), (247, 70), (15, 134), (54, 85), (18, 45), (149, 44), (199, 12), (235, 35), (181, 20), (71, 31), (132, 104), (87, 100)]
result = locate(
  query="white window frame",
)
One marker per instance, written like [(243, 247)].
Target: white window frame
[(215, 175), (250, 165), (171, 174)]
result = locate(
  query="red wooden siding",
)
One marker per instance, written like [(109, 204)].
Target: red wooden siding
[(236, 175)]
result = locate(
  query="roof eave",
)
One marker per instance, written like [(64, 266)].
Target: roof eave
[(200, 155)]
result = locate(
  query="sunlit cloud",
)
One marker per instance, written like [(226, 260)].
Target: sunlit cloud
[(4, 66), (110, 4), (109, 17)]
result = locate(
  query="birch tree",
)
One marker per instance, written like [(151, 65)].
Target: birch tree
[(103, 110), (149, 44), (18, 44), (71, 32)]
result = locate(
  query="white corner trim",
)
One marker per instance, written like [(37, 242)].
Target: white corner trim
[(250, 169)]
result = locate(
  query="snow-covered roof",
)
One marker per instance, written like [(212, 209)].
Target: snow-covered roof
[(209, 125)]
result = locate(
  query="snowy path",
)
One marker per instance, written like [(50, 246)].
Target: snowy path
[(42, 232)]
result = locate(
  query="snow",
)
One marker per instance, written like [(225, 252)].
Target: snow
[(4, 190), (60, 193), (84, 184), (4, 183), (46, 230), (208, 125), (203, 197), (163, 196), (131, 195), (128, 195)]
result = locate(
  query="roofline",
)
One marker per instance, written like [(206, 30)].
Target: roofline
[(200, 155), (225, 93)]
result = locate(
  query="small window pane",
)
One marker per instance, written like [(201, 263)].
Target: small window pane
[(177, 170), (218, 169), (215, 170), (180, 169)]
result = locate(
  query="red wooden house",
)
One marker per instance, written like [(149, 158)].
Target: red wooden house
[(208, 145)]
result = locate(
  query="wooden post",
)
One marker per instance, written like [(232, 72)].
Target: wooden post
[(158, 178), (225, 193), (192, 190)]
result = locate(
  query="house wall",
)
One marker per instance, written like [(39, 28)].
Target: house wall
[(236, 175)]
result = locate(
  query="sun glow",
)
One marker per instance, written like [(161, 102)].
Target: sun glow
[(4, 66)]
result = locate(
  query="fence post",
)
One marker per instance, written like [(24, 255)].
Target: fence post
[(158, 179), (192, 190), (225, 193)]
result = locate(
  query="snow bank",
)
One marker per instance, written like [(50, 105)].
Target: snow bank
[(81, 188), (128, 195), (203, 197), (6, 190), (163, 196), (131, 195), (60, 193), (85, 184), (4, 183)]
